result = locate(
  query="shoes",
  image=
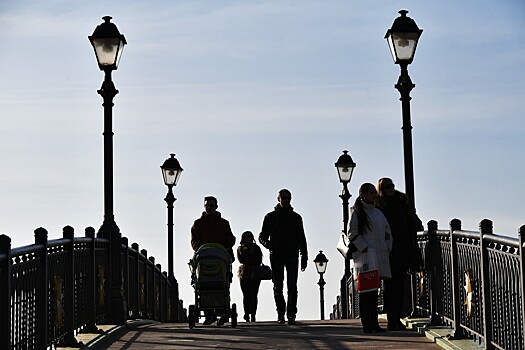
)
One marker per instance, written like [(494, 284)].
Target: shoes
[(222, 320), (209, 320), (247, 318), (280, 319), (253, 318), (291, 320)]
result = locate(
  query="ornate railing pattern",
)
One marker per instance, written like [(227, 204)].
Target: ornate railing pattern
[(472, 281), (52, 290)]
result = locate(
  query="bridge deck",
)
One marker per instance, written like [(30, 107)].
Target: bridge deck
[(332, 334)]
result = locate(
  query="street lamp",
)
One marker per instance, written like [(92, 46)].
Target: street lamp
[(108, 44), (345, 168), (402, 39), (171, 171), (320, 264)]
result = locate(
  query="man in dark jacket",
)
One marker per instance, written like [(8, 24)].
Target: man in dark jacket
[(283, 234), (212, 228)]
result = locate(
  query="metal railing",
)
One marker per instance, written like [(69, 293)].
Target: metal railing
[(472, 281), (54, 289)]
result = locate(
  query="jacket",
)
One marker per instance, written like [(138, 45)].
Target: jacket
[(377, 236), (282, 233), (212, 228), (249, 257)]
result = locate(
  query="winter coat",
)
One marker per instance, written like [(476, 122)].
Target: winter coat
[(403, 225), (377, 236), (250, 257), (283, 233), (211, 228)]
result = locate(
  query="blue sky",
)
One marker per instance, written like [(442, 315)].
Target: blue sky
[(254, 96)]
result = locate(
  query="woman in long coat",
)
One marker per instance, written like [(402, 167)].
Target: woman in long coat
[(372, 235)]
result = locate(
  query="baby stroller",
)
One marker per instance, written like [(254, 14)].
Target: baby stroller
[(211, 276)]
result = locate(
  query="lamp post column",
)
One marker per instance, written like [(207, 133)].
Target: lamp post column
[(404, 86), (108, 92), (321, 284), (345, 196), (174, 312)]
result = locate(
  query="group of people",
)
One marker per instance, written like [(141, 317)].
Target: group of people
[(383, 222), (282, 234)]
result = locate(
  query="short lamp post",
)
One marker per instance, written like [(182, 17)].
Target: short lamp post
[(345, 168), (320, 264), (402, 39), (108, 44), (171, 171)]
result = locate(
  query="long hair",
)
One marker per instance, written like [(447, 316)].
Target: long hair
[(363, 221)]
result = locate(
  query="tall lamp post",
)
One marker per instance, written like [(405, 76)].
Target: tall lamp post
[(108, 44), (320, 264), (171, 171), (402, 39), (345, 168)]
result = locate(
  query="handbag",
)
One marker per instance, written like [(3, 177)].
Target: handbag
[(346, 249), (367, 272), (263, 272)]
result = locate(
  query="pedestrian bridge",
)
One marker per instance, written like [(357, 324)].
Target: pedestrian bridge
[(54, 291)]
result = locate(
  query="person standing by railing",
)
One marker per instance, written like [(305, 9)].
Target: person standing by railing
[(396, 208), (372, 236)]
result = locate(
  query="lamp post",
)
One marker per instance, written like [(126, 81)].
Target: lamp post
[(320, 264), (345, 168), (171, 171), (108, 44), (402, 39)]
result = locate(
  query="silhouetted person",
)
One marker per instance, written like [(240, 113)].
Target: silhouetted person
[(395, 206), (373, 237), (249, 256), (212, 228), (283, 234)]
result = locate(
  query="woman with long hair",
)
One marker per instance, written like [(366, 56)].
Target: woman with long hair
[(249, 255), (371, 235)]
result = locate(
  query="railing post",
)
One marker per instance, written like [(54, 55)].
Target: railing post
[(485, 227), (125, 272), (455, 225), (5, 293), (136, 282), (145, 284), (42, 293), (152, 290), (68, 233), (522, 277), (432, 271), (118, 308), (91, 283)]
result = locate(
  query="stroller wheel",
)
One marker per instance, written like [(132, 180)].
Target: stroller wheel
[(191, 316), (234, 315)]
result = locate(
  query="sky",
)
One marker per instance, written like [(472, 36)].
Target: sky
[(252, 97)]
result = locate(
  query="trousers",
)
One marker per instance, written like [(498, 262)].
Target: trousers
[(279, 264)]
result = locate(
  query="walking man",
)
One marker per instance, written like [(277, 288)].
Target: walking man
[(283, 235)]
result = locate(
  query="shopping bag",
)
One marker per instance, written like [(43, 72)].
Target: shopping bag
[(368, 272)]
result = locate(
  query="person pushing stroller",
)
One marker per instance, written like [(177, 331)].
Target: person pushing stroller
[(212, 228)]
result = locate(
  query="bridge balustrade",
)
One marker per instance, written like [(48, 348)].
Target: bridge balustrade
[(471, 281), (52, 290)]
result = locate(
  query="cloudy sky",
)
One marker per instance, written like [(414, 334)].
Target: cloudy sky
[(254, 96)]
